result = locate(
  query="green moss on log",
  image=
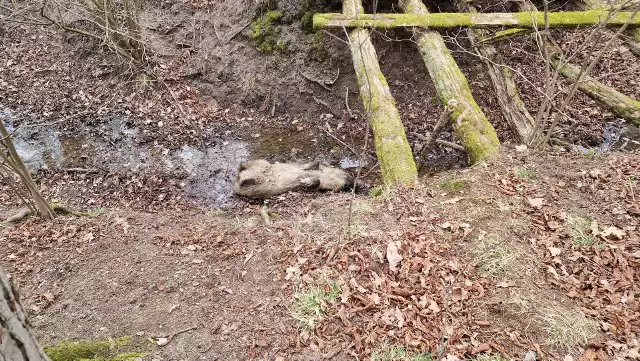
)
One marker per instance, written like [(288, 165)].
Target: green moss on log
[(453, 90), (476, 134), (392, 148), (92, 350), (451, 20)]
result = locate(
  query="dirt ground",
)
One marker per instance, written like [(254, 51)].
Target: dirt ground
[(535, 252)]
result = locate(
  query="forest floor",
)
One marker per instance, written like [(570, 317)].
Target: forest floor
[(534, 252), (531, 253)]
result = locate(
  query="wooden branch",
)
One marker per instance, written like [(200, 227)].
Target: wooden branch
[(454, 20), (18, 341), (618, 103)]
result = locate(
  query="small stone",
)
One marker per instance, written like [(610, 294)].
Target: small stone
[(530, 356)]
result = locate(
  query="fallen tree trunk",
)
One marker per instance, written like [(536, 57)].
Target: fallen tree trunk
[(453, 20), (392, 147), (477, 135), (618, 103), (513, 108), (17, 341), (631, 36)]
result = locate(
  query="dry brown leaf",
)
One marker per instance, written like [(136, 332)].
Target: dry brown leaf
[(536, 202), (393, 256), (554, 251), (611, 232), (483, 347), (433, 306)]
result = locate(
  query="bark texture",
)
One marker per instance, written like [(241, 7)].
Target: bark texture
[(11, 162), (17, 341), (454, 20), (472, 127), (513, 108), (392, 147), (618, 103)]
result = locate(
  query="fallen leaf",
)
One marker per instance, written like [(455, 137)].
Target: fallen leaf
[(292, 272), (555, 251), (434, 306), (535, 202), (505, 284), (393, 256), (483, 347), (453, 200), (613, 231)]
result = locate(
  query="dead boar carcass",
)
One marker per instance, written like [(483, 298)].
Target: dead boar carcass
[(261, 179)]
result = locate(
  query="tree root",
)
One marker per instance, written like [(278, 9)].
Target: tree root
[(58, 209)]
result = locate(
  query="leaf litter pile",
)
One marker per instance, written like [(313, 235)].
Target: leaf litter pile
[(525, 259)]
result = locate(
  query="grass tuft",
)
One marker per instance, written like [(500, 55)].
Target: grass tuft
[(310, 305), (382, 192), (524, 172), (454, 184), (568, 329), (491, 357), (399, 353), (495, 258), (580, 231)]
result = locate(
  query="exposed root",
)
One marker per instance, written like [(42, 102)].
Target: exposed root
[(26, 212)]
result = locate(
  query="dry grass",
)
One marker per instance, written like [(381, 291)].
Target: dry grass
[(491, 357), (494, 258), (568, 328), (399, 353)]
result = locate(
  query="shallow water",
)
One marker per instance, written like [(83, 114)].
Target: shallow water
[(208, 170)]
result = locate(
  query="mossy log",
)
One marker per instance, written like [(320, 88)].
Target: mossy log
[(631, 36), (392, 147), (472, 127), (618, 103), (17, 340), (453, 20)]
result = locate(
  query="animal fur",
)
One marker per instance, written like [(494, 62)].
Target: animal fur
[(260, 179)]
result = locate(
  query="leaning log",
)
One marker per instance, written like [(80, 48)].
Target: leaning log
[(618, 103), (454, 20), (477, 135), (17, 340), (631, 36), (392, 147), (513, 108)]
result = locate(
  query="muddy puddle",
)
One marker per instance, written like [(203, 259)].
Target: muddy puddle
[(207, 169)]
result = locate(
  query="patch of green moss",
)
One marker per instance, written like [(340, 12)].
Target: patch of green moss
[(307, 21), (477, 135), (454, 184), (112, 350), (265, 31)]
